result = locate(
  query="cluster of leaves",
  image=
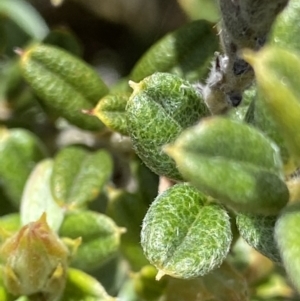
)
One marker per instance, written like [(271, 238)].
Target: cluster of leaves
[(72, 220)]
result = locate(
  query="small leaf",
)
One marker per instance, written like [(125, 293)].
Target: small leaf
[(244, 163), (276, 74), (184, 235), (83, 287), (186, 52), (128, 211), (20, 150), (64, 83), (285, 31), (160, 107), (37, 197), (287, 233), (79, 175), (100, 238), (258, 232), (111, 111)]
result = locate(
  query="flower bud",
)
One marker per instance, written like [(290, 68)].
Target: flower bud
[(35, 261)]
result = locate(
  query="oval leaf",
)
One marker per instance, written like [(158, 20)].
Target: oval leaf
[(20, 150), (100, 238), (64, 83), (233, 163), (184, 235), (79, 175), (37, 197), (276, 73), (160, 107), (186, 52)]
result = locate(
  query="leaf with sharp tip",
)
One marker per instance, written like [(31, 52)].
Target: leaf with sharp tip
[(64, 83), (111, 111), (184, 235), (232, 162), (159, 109)]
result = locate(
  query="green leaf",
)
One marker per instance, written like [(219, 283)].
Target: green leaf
[(128, 211), (83, 287), (287, 233), (100, 238), (64, 83), (160, 107), (111, 111), (186, 52), (244, 163), (79, 175), (26, 16), (37, 197), (285, 31), (20, 150), (185, 235), (201, 9), (276, 75), (258, 232)]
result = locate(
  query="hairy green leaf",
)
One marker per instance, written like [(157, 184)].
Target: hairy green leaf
[(160, 107), (79, 175), (232, 162), (64, 83), (184, 235), (100, 238)]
